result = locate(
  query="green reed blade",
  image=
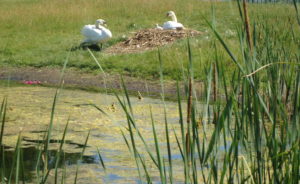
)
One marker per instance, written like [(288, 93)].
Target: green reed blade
[(18, 150), (126, 141), (297, 13), (295, 119), (159, 159), (218, 129), (3, 166), (233, 57), (183, 139), (208, 92), (240, 10), (127, 96), (200, 152), (16, 162), (2, 118), (101, 160), (59, 151), (81, 156), (93, 105), (98, 63), (44, 180), (130, 120), (251, 82), (50, 126), (165, 171), (145, 169), (64, 174), (168, 146), (39, 158), (165, 117), (178, 144), (22, 166)]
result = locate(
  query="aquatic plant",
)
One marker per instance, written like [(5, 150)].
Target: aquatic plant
[(256, 118)]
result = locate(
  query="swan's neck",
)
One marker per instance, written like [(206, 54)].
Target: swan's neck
[(100, 28), (173, 17)]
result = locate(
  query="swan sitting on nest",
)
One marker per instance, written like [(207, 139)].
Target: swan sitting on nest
[(95, 34), (171, 24)]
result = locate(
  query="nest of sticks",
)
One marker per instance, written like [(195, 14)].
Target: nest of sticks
[(148, 39)]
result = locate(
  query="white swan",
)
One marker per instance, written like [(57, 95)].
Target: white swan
[(95, 34), (158, 27), (172, 24)]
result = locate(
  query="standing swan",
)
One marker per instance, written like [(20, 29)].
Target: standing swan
[(172, 24), (95, 34)]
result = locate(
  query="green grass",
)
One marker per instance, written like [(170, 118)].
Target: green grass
[(38, 33)]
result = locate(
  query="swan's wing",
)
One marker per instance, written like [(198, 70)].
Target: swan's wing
[(90, 31), (106, 33), (94, 35), (172, 25)]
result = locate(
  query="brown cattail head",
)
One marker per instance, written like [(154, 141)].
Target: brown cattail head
[(247, 24)]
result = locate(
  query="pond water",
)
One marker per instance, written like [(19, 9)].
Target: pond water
[(29, 110)]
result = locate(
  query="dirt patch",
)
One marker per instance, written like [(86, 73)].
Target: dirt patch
[(77, 79), (148, 39)]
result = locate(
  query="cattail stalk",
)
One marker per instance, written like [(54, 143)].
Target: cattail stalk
[(247, 24)]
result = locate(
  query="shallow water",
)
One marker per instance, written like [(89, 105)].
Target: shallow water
[(29, 110)]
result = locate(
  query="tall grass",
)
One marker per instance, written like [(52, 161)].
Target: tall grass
[(258, 121)]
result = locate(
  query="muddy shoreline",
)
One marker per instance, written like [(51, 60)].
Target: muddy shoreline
[(92, 82)]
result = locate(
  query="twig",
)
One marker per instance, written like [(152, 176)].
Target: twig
[(265, 66)]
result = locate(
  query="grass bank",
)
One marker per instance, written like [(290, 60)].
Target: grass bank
[(39, 33)]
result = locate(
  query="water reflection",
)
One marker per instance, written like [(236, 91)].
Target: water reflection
[(30, 155)]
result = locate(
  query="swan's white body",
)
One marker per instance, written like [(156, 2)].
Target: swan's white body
[(172, 24), (158, 27), (95, 34)]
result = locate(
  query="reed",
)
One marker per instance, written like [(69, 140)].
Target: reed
[(257, 122), (81, 156)]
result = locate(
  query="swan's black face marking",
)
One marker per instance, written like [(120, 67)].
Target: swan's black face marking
[(170, 13)]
